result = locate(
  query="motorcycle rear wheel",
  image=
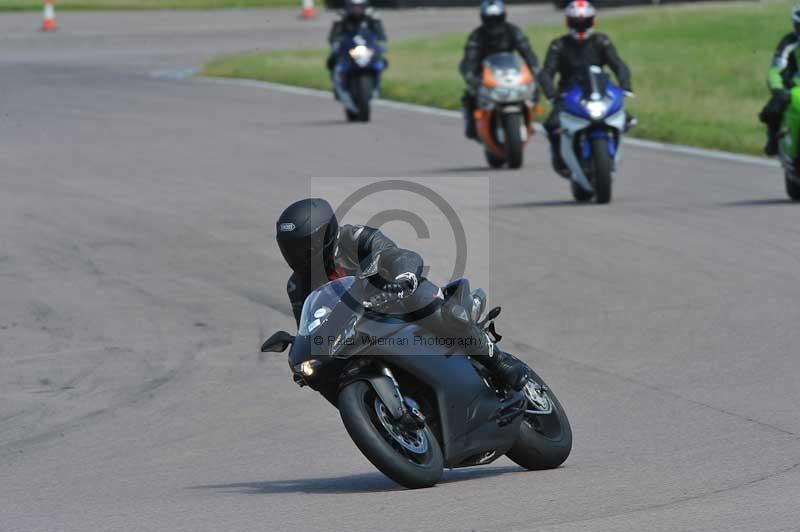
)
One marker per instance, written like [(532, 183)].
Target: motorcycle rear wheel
[(545, 440), (390, 450)]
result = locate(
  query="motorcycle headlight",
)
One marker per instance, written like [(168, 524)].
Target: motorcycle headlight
[(307, 368), (361, 54), (597, 109)]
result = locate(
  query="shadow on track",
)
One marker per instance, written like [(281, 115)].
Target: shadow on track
[(463, 170), (361, 483), (758, 202), (542, 204)]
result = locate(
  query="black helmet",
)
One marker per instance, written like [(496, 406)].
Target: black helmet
[(307, 232), (356, 9), (493, 12), (580, 19)]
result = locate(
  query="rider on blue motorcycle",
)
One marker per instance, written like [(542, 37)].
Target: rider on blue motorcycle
[(318, 250), (493, 36), (357, 15), (569, 56), (781, 76)]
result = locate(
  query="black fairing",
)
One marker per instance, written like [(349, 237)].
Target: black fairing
[(465, 405)]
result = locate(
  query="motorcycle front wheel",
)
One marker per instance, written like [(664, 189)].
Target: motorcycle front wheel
[(602, 170), (361, 89), (512, 124), (545, 439), (411, 458)]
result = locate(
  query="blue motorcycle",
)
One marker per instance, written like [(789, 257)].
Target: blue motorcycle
[(357, 75), (593, 121)]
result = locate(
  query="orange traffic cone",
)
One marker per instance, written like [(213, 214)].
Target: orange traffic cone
[(308, 9), (49, 22)]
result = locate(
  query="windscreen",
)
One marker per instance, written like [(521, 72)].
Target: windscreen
[(320, 303), (503, 61)]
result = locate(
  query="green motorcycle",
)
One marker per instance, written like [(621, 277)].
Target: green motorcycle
[(789, 145)]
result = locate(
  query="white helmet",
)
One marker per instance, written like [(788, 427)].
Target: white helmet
[(580, 19)]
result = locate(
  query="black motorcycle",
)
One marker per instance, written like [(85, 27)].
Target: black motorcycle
[(412, 414)]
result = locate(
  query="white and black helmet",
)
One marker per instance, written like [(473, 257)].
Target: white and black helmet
[(580, 19), (796, 18), (493, 12), (356, 9)]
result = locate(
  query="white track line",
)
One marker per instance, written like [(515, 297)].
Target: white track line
[(186, 73)]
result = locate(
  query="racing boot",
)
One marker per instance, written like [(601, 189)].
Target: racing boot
[(470, 130), (771, 147), (555, 155), (508, 369)]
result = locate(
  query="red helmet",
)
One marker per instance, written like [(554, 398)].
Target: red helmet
[(580, 19)]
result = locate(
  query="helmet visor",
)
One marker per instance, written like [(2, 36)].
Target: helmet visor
[(304, 253), (580, 24)]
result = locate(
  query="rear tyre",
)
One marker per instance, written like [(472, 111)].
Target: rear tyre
[(602, 170), (493, 160), (792, 188), (512, 125), (412, 459), (545, 440), (581, 195)]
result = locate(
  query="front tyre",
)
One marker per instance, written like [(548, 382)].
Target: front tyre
[(545, 440), (412, 459), (361, 89), (602, 170), (512, 125), (792, 187)]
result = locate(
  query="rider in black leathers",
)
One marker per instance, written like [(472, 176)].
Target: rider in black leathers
[(357, 15), (318, 251), (569, 57), (494, 35)]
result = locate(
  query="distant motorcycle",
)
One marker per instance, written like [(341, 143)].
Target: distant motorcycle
[(503, 117), (593, 121), (357, 74), (788, 149), (413, 410)]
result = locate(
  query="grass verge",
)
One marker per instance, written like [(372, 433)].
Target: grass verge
[(699, 71), (104, 5)]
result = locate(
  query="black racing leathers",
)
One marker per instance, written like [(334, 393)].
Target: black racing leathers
[(347, 25), (483, 42), (569, 59), (780, 78), (360, 250)]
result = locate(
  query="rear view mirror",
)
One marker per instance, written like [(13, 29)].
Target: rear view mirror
[(277, 343)]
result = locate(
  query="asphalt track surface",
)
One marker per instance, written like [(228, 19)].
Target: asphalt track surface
[(138, 276)]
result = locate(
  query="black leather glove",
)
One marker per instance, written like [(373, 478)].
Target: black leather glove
[(403, 285)]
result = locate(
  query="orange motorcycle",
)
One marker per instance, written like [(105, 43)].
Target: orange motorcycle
[(505, 108)]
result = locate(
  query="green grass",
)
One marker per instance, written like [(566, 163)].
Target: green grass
[(699, 71), (85, 5)]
